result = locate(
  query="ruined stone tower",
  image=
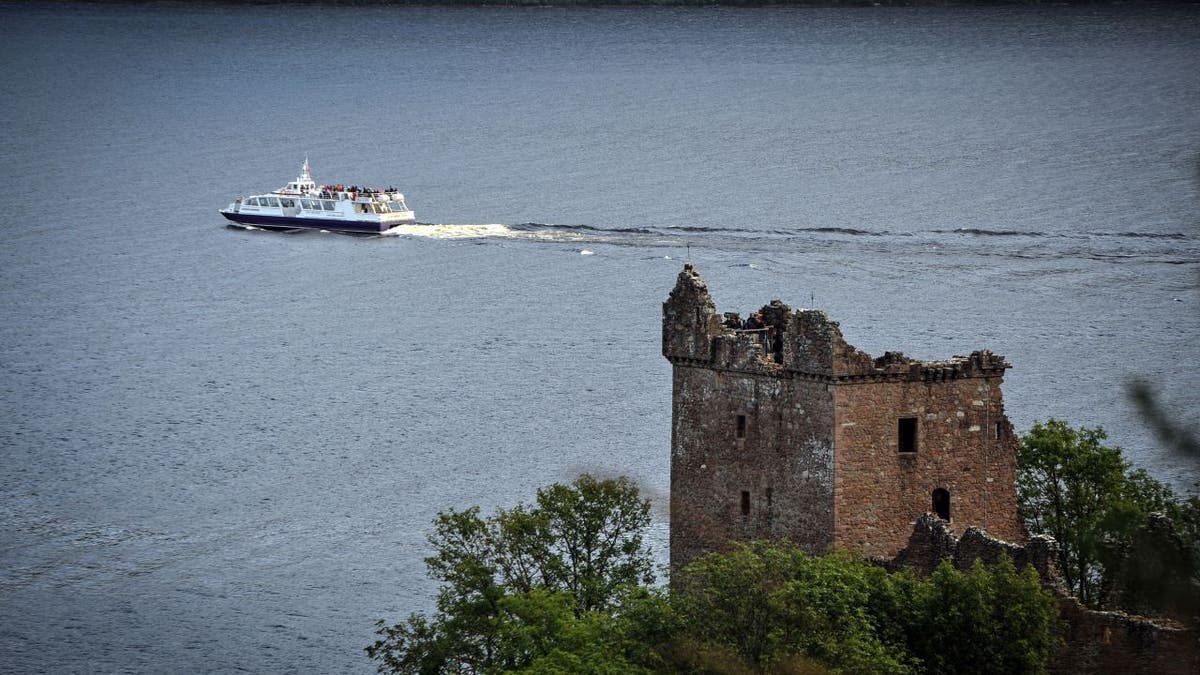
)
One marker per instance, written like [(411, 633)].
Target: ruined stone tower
[(789, 432)]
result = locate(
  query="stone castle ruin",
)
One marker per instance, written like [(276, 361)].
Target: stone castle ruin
[(1094, 642), (786, 431)]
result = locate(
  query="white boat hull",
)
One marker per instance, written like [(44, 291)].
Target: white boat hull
[(281, 222)]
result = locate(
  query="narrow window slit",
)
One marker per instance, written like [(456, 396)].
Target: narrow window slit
[(907, 441)]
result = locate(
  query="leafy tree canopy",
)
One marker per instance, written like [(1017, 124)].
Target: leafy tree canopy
[(532, 588), (774, 606), (564, 586), (1083, 493)]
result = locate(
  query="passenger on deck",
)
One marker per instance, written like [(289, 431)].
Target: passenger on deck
[(732, 320), (754, 322)]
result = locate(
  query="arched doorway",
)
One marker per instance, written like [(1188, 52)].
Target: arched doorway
[(941, 503)]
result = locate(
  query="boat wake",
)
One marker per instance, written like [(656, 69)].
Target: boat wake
[(447, 231), (1109, 247), (498, 231)]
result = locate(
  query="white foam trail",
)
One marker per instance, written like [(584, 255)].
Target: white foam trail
[(587, 252), (552, 236), (494, 230), (451, 231)]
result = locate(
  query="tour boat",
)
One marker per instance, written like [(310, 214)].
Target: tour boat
[(303, 204)]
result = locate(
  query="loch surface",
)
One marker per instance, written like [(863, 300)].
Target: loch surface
[(220, 450)]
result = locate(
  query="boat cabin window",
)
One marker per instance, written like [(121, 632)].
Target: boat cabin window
[(253, 201), (305, 204), (328, 206), (272, 201), (287, 202)]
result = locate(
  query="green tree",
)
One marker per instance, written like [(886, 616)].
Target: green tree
[(776, 607), (509, 582), (848, 614), (542, 634), (986, 620), (563, 586), (1073, 487), (728, 598)]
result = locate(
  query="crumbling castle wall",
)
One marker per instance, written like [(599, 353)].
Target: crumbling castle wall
[(931, 541), (1095, 642), (745, 465), (751, 446), (788, 431), (1098, 643)]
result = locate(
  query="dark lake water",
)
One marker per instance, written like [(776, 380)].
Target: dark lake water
[(220, 450)]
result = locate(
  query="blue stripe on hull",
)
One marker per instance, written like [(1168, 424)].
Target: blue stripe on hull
[(289, 223)]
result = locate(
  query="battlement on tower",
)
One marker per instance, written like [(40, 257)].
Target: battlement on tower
[(800, 342)]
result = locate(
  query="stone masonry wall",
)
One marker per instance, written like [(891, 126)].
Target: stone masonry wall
[(815, 457), (768, 475), (931, 542), (774, 481), (1095, 642), (880, 492), (689, 318), (1098, 643)]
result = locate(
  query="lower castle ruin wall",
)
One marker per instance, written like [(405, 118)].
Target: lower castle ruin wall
[(1095, 642)]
